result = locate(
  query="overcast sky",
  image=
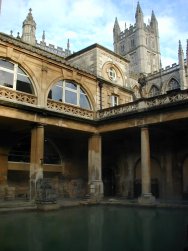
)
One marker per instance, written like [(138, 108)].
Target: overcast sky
[(86, 22)]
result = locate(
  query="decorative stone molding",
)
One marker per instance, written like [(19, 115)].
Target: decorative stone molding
[(69, 109), (6, 93), (143, 104)]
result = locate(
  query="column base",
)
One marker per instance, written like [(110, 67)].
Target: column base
[(146, 198), (96, 189)]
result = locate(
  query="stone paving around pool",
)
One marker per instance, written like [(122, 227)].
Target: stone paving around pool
[(12, 206)]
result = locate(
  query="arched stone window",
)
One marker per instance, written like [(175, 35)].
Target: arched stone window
[(12, 76), (154, 91), (173, 85), (69, 92)]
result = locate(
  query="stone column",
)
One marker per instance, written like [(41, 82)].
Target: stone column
[(3, 171), (3, 166), (37, 153), (94, 167), (146, 196), (169, 178)]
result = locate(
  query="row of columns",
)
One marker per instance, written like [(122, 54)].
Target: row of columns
[(94, 163), (95, 167)]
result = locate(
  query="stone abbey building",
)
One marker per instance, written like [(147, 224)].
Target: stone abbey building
[(93, 122)]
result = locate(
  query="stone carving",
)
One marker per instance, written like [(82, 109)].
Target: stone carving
[(142, 83)]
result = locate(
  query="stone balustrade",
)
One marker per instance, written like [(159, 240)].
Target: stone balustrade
[(132, 107), (70, 109), (144, 104), (13, 95)]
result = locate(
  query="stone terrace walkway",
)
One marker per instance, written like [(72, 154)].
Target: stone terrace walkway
[(18, 205)]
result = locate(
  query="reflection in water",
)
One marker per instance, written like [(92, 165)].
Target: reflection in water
[(95, 228)]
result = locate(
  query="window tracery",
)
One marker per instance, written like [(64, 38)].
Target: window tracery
[(12, 76), (173, 84), (69, 92)]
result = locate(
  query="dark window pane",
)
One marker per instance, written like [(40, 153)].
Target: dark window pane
[(70, 97), (6, 64), (21, 151), (23, 84), (84, 103), (6, 79), (51, 155), (173, 84)]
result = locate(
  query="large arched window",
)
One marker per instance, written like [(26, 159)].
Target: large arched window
[(71, 93), (12, 76)]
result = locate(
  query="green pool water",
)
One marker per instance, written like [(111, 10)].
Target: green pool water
[(95, 228)]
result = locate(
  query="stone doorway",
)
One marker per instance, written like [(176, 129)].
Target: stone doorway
[(108, 181)]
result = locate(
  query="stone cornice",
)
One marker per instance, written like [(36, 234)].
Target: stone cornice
[(18, 43), (96, 46), (23, 45)]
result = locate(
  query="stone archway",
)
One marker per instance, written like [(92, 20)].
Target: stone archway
[(155, 178)]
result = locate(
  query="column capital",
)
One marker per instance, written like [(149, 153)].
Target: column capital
[(40, 125), (146, 126), (96, 133), (37, 125)]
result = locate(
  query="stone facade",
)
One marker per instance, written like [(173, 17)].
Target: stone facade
[(90, 125)]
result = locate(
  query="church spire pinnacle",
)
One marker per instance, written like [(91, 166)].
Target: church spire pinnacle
[(138, 10), (182, 68), (116, 33), (28, 29), (139, 16), (153, 22), (68, 44), (43, 36), (180, 50), (181, 56), (116, 26), (187, 53)]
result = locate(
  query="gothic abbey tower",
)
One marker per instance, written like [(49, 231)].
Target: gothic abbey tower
[(139, 43)]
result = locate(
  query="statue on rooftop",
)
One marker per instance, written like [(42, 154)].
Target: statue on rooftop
[(142, 83)]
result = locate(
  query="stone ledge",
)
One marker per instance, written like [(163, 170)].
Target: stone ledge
[(48, 207), (146, 199)]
